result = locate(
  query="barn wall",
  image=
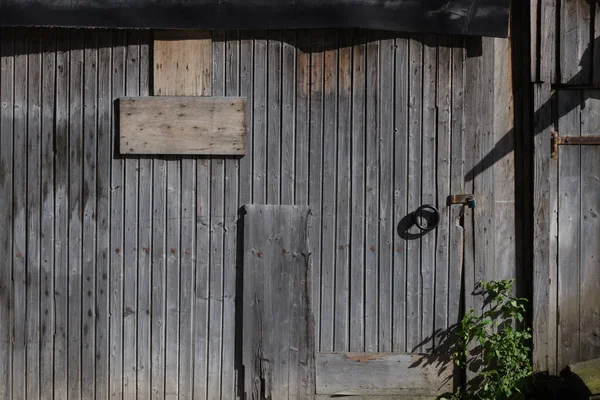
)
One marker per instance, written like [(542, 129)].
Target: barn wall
[(118, 274)]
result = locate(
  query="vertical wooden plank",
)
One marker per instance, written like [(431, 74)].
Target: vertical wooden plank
[(159, 256), (534, 45), (343, 166), (246, 90), (303, 79), (217, 188), (116, 233), (173, 236), (277, 289), (130, 232), (569, 222), (89, 201), (259, 114), (230, 347), (428, 190), (6, 212), (443, 188), (372, 139), (385, 115), (33, 187), (457, 181), (145, 227), (288, 113), (401, 130), (547, 25), (328, 239), (47, 306), (61, 212), (357, 235), (575, 61), (103, 214), (413, 250), (274, 89), (19, 255), (589, 319), (485, 141), (76, 85), (595, 46), (505, 225), (315, 172)]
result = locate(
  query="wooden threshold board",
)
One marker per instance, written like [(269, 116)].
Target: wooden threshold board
[(182, 125)]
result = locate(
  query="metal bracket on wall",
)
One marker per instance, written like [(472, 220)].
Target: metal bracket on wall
[(573, 141)]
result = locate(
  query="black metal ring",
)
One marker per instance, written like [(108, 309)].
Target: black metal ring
[(416, 219)]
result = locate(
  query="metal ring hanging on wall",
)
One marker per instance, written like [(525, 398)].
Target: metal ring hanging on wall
[(417, 217)]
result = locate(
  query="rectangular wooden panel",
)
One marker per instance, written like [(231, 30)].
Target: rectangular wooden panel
[(278, 341), (383, 374), (183, 125), (182, 63)]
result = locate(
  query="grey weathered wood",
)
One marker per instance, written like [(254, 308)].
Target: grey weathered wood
[(61, 212), (89, 136), (413, 248), (589, 281), (130, 233), (330, 133), (547, 47), (145, 230), (260, 80), (159, 258), (343, 216), (443, 140), (173, 265), (385, 163), (229, 377), (302, 116), (103, 249), (357, 204), (277, 312), (544, 353), (371, 244), (75, 199), (6, 212), (457, 182), (274, 121), (246, 90), (215, 281), (428, 192), (288, 112), (182, 125), (383, 374), (315, 159), (401, 129), (19, 205), (116, 235), (575, 19), (569, 220), (47, 305), (33, 229)]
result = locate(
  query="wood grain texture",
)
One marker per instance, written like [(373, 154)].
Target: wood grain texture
[(182, 125), (277, 313), (182, 63), (383, 374)]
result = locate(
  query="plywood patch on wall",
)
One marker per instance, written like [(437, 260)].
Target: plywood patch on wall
[(182, 63), (182, 125)]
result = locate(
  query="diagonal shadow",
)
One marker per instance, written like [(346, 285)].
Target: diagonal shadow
[(506, 144)]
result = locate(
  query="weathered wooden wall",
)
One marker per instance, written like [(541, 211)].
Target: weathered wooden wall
[(565, 37), (118, 273)]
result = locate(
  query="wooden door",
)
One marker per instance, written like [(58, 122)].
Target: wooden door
[(567, 301)]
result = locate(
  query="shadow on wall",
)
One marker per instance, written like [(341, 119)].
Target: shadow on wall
[(506, 144)]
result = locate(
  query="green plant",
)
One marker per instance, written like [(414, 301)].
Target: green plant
[(492, 339)]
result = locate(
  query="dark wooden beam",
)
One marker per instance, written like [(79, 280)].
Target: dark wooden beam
[(467, 17)]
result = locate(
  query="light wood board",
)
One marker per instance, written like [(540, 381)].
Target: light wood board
[(183, 125)]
